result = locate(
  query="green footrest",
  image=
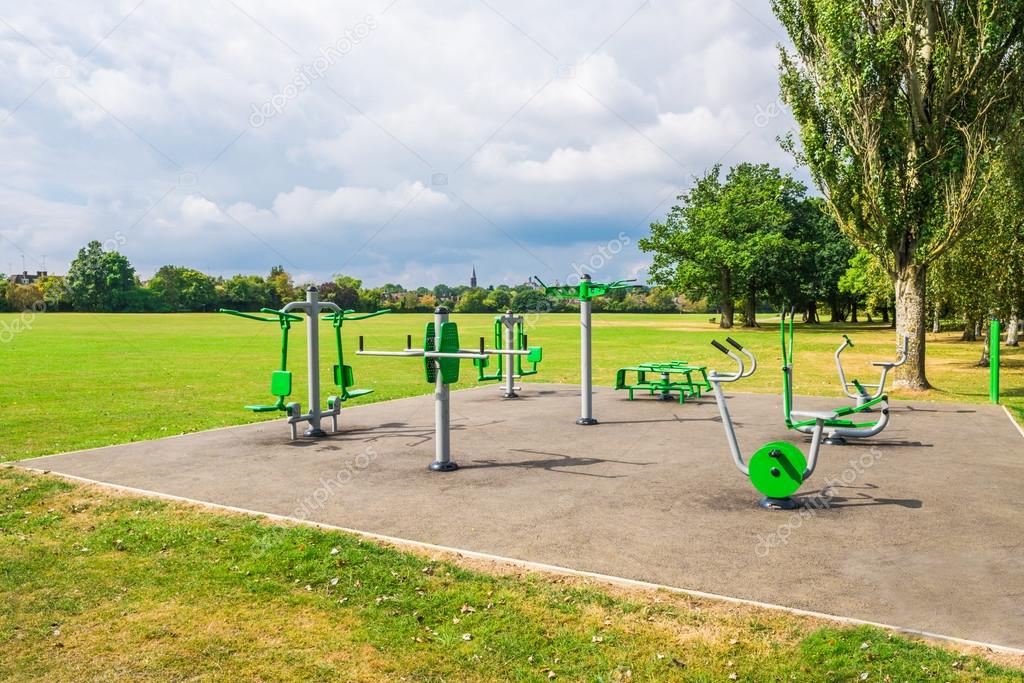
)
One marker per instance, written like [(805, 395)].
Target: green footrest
[(264, 409), (356, 393)]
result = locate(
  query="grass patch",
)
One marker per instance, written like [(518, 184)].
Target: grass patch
[(104, 586), (108, 379)]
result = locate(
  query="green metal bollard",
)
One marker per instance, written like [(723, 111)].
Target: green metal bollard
[(993, 361)]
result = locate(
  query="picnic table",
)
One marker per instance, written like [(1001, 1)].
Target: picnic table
[(657, 377)]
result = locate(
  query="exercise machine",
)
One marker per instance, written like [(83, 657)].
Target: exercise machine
[(778, 468), (511, 340), (664, 385), (584, 293), (281, 379), (855, 389), (442, 354), (838, 426)]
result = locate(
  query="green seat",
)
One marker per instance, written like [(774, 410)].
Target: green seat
[(280, 386), (344, 377), (535, 355)]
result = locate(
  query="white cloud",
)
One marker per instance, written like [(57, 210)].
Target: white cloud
[(515, 136)]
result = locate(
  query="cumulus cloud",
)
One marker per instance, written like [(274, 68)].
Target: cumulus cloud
[(397, 141)]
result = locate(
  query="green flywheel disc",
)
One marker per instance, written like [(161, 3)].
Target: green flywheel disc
[(777, 469)]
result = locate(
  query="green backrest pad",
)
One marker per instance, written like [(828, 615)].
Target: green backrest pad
[(535, 355), (343, 376), (429, 368), (449, 344), (281, 383)]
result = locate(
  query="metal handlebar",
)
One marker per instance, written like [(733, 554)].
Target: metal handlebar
[(281, 315), (861, 395)]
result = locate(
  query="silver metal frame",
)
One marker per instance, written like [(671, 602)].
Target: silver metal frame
[(442, 392), (586, 373), (863, 397), (312, 307), (717, 379)]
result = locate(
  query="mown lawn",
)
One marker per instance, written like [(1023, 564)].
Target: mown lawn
[(102, 586)]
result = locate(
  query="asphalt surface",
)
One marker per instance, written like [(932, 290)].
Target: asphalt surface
[(923, 529)]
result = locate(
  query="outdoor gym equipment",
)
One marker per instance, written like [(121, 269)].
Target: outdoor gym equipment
[(837, 426), (854, 389), (664, 385), (281, 379), (778, 468), (583, 293), (993, 361), (441, 357), (510, 340)]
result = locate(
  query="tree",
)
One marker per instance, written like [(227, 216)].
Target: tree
[(55, 292), (499, 299), (183, 289), (531, 301), (100, 280), (866, 281), (721, 238), (819, 255), (901, 105), (281, 282), (248, 293), (346, 292), (473, 301)]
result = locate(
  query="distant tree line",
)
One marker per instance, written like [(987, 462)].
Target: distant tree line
[(102, 281)]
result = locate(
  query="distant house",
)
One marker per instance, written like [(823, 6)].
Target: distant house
[(26, 278)]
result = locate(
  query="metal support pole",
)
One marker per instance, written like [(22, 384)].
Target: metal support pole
[(509, 321), (442, 411), (586, 385), (993, 361), (313, 355)]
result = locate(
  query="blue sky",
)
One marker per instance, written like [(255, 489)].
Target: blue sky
[(394, 141)]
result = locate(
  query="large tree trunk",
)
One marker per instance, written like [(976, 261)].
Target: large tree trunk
[(728, 311), (885, 314), (812, 313), (970, 329), (835, 310), (853, 312), (910, 322), (750, 310), (1013, 328), (984, 360)]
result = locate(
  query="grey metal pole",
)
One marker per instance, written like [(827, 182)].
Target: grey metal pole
[(586, 385), (442, 411), (313, 361), (509, 321)]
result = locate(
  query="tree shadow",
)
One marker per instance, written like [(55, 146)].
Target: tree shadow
[(555, 462)]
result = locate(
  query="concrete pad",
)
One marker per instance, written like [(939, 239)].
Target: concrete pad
[(924, 528)]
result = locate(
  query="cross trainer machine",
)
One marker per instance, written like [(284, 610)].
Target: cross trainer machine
[(441, 356), (839, 426), (856, 390), (510, 339), (584, 293), (778, 468), (281, 379)]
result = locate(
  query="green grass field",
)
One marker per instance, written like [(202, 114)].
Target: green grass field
[(77, 381), (104, 586)]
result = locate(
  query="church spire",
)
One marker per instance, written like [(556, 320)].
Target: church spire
[(472, 278)]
